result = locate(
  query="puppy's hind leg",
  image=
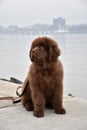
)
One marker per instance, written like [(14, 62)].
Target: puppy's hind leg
[(26, 99)]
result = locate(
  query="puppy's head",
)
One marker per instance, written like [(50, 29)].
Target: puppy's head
[(44, 49)]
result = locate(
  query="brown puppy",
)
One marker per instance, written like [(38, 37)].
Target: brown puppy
[(44, 83)]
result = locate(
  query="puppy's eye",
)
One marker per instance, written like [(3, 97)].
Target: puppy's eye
[(42, 48)]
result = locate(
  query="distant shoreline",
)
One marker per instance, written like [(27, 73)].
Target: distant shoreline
[(18, 34)]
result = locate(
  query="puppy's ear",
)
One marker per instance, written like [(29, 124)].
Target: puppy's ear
[(54, 52), (30, 56)]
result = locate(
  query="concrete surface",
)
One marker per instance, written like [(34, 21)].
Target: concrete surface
[(15, 117)]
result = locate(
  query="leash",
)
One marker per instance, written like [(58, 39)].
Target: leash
[(17, 99), (14, 99)]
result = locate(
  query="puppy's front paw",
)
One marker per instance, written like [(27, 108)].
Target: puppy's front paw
[(60, 111), (38, 113)]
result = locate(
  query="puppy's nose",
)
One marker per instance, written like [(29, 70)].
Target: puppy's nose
[(33, 50)]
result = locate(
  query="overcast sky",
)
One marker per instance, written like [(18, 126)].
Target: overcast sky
[(29, 12)]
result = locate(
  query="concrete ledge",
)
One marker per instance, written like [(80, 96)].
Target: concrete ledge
[(15, 117)]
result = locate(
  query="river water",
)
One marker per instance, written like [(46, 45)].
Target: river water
[(15, 62)]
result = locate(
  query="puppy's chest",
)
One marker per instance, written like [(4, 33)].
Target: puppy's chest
[(47, 79)]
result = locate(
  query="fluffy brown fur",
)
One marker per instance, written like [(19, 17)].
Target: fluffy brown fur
[(44, 83)]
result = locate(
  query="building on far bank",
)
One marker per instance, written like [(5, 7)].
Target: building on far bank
[(59, 23)]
